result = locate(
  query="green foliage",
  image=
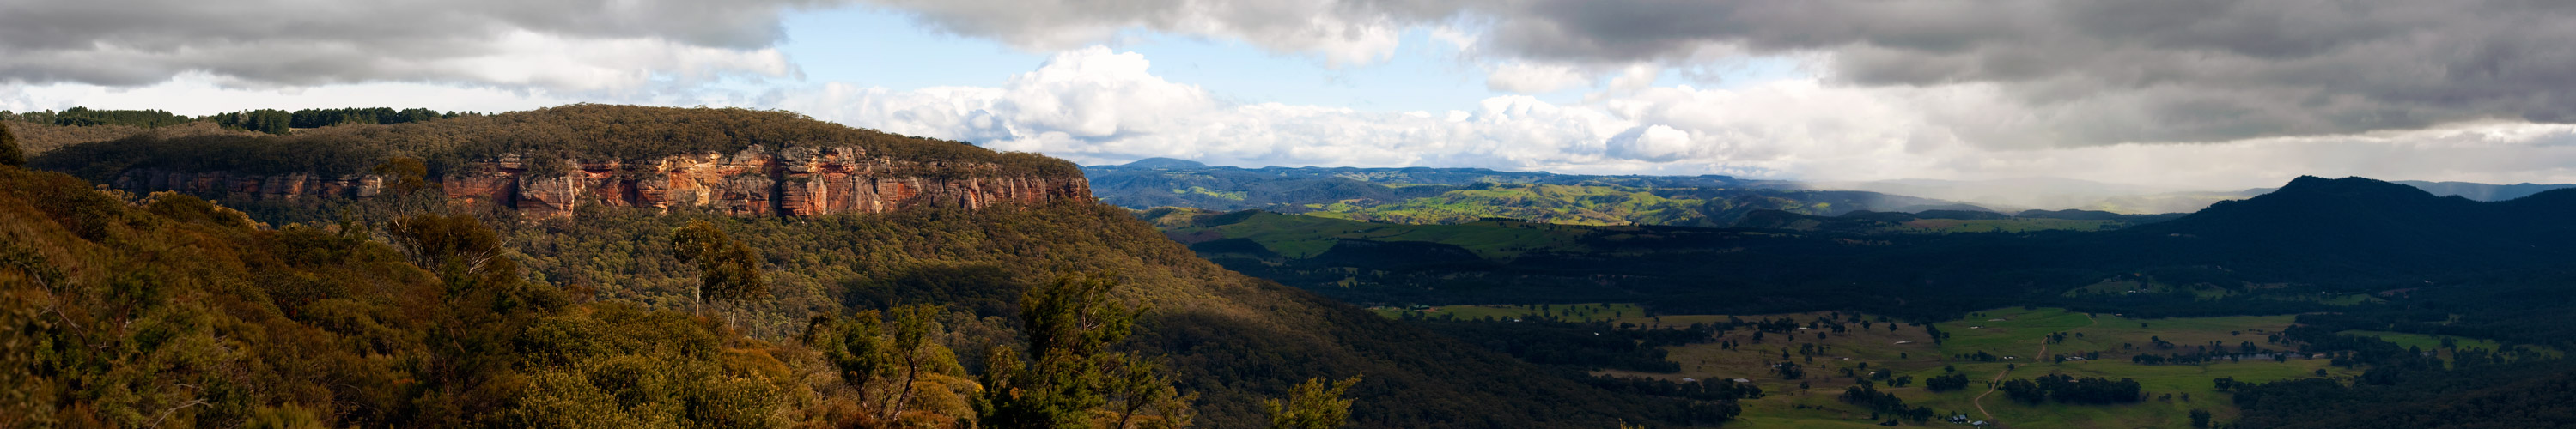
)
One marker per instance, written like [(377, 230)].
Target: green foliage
[(403, 175), (855, 345), (1070, 323), (1312, 405), (327, 155), (270, 121), (727, 269), (86, 117), (1074, 315), (274, 121)]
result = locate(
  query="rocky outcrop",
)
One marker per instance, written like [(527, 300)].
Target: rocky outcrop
[(753, 182)]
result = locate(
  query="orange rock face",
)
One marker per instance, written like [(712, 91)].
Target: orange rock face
[(754, 182)]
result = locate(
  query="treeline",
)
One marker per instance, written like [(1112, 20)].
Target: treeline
[(87, 117), (275, 121), (2068, 389), (454, 145), (270, 121)]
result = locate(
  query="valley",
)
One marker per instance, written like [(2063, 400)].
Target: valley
[(1300, 214)]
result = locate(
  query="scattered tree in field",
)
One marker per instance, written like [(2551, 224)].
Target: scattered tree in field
[(2199, 418)]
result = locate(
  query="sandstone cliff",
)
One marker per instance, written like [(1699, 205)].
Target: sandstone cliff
[(795, 181)]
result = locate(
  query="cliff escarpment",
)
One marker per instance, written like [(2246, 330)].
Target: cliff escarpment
[(551, 162), (794, 182)]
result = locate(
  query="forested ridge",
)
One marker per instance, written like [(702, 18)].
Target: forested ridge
[(449, 146)]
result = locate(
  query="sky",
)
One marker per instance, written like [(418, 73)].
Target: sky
[(2169, 94)]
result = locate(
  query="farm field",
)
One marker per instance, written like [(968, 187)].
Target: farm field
[(1908, 351)]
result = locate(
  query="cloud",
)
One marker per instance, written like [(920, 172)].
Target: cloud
[(1095, 105), (2060, 72), (1529, 78), (563, 45), (1341, 32)]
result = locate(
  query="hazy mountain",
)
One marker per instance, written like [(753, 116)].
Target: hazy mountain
[(2066, 194), (2481, 191)]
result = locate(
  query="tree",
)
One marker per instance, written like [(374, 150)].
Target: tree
[(727, 269), (913, 348), (1140, 387), (1312, 405), (1071, 374), (403, 175), (2199, 418), (10, 155), (855, 345)]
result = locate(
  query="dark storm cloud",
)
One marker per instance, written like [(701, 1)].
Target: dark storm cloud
[(124, 43), (2165, 70), (2093, 71)]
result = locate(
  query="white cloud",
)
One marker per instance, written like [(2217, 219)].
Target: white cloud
[(1527, 78)]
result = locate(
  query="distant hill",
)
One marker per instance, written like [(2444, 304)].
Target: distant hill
[(2369, 226), (1165, 164)]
